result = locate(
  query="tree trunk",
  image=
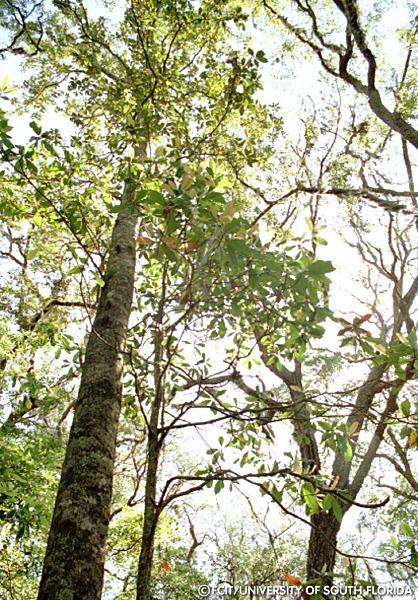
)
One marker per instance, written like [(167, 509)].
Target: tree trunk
[(322, 547), (74, 562), (150, 522), (151, 511)]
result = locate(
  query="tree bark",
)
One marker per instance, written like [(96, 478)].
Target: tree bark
[(151, 515), (74, 562), (322, 547), (151, 510)]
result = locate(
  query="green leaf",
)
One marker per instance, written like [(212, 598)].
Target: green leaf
[(215, 197), (221, 328), (156, 197), (406, 530), (37, 220), (99, 280), (36, 128), (309, 497), (327, 502), (320, 267), (260, 56), (346, 449), (76, 270), (277, 494), (406, 408), (219, 486), (336, 509)]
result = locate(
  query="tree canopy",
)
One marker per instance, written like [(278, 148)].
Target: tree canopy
[(208, 246)]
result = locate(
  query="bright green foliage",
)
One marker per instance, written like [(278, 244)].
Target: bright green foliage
[(173, 577), (21, 27), (28, 474)]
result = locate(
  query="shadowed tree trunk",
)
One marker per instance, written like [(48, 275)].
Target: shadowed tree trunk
[(74, 562), (322, 546)]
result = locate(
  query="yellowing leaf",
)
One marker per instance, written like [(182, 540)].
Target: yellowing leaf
[(186, 182), (229, 210), (254, 228), (4, 82), (164, 566), (143, 241), (170, 242), (365, 318), (334, 483), (309, 223), (185, 296), (214, 212), (403, 339), (169, 186), (297, 467), (160, 151), (412, 438), (191, 245), (37, 220), (344, 322), (130, 152), (32, 253), (210, 181), (299, 314), (344, 330), (353, 428)]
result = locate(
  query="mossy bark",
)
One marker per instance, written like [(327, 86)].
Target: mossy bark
[(74, 562), (151, 514)]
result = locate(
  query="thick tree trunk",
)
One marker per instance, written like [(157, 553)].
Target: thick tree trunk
[(74, 561), (322, 545)]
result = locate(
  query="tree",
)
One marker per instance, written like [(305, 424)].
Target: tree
[(340, 59), (329, 487), (146, 86), (166, 135), (25, 24)]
